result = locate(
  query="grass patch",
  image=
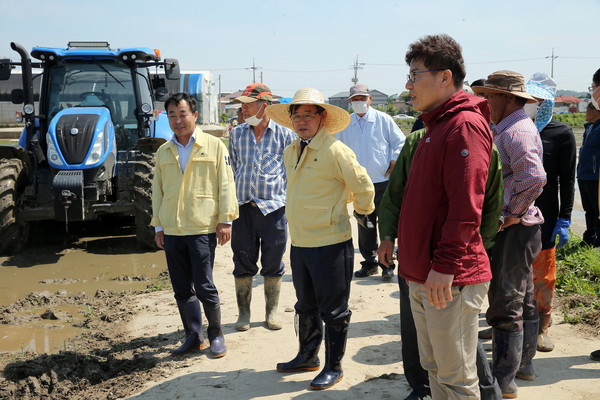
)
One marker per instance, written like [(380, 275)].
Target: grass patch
[(577, 277)]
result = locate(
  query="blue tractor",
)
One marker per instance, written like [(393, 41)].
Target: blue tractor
[(89, 149)]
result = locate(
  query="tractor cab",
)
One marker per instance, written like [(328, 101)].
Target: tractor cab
[(90, 147)]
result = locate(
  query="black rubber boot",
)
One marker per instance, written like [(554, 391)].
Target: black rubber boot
[(488, 384), (530, 332), (215, 333), (191, 316), (507, 348), (310, 336), (336, 333)]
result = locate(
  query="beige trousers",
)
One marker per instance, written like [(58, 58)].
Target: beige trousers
[(447, 340)]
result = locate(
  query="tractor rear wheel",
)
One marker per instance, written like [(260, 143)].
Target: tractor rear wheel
[(142, 199), (13, 231)]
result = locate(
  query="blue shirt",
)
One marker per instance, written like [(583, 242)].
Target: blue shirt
[(184, 151), (258, 167), (375, 139)]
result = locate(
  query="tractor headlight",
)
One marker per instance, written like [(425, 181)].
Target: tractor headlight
[(53, 155), (96, 153)]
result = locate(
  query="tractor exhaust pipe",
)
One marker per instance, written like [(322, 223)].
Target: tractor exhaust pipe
[(28, 106), (26, 71)]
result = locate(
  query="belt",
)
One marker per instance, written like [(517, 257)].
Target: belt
[(253, 204)]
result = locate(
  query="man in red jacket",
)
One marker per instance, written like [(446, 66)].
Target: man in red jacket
[(440, 250)]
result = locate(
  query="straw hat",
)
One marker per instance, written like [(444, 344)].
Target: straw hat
[(337, 119), (505, 82)]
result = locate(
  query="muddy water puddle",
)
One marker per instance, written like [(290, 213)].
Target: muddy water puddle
[(59, 269)]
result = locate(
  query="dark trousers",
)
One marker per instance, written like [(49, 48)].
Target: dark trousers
[(190, 260), (252, 232), (589, 200), (367, 238), (416, 375), (511, 289), (321, 277)]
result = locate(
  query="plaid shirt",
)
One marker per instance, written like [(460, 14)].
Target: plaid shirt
[(521, 151), (258, 167)]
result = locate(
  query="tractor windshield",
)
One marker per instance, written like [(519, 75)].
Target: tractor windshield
[(98, 84)]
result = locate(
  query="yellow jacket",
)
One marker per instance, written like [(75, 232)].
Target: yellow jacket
[(320, 184), (195, 201)]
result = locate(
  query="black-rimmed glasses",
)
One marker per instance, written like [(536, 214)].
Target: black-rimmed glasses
[(411, 77)]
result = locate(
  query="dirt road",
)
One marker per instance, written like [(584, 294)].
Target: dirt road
[(122, 350)]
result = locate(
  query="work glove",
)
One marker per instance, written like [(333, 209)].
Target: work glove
[(562, 230), (363, 221)]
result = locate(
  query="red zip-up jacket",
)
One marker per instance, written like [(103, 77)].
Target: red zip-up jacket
[(440, 217)]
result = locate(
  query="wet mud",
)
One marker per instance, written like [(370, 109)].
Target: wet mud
[(64, 305)]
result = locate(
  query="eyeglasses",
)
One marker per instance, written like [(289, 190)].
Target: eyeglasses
[(306, 117), (411, 77), (592, 89)]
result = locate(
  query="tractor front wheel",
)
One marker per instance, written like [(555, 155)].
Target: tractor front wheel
[(14, 232)]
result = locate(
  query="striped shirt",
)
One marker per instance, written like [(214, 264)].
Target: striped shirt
[(521, 151), (258, 167)]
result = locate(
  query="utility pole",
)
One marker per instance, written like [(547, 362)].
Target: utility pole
[(219, 99), (261, 78), (356, 67), (253, 68), (553, 57)]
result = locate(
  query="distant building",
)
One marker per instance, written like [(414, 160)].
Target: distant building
[(567, 104), (341, 99)]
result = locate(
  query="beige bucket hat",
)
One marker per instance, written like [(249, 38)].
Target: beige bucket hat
[(505, 82), (337, 119)]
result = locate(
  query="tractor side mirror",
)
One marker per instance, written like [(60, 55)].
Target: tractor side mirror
[(5, 68), (161, 94), (172, 69), (17, 96)]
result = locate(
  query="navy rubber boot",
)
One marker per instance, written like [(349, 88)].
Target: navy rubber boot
[(310, 336)]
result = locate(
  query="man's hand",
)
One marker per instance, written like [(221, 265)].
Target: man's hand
[(508, 221), (223, 233), (439, 288), (363, 220), (390, 168), (385, 252), (159, 238)]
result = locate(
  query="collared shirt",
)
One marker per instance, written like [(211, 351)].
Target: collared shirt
[(521, 150), (191, 197), (184, 151), (375, 139), (258, 166)]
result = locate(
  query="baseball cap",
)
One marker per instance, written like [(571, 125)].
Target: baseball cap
[(254, 92), (360, 89)]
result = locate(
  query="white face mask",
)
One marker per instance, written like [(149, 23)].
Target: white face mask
[(594, 101), (359, 107), (252, 120), (531, 109)]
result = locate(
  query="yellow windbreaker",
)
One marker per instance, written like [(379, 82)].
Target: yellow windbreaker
[(320, 185), (195, 201)]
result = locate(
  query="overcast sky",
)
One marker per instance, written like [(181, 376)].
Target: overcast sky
[(312, 43)]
